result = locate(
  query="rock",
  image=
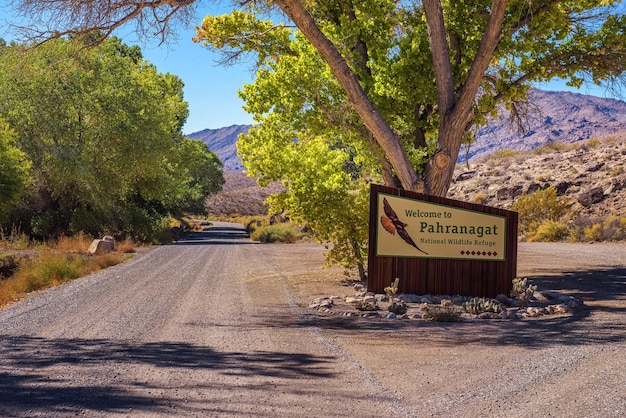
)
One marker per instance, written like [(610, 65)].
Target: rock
[(314, 305), (391, 315), (326, 303), (101, 246), (381, 297), (358, 287), (591, 197), (353, 301), (562, 187), (369, 299)]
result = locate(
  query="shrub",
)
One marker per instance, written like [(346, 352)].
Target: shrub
[(539, 207), (550, 231), (276, 233), (479, 198), (437, 313)]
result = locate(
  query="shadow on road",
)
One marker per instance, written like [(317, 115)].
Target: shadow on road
[(217, 236), (34, 372)]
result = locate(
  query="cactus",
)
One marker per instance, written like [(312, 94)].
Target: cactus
[(522, 292), (479, 305), (399, 308), (392, 290)]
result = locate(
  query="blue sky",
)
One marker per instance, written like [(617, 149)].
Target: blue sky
[(211, 89)]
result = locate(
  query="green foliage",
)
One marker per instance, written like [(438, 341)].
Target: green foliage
[(14, 168), (537, 208), (102, 129), (308, 134)]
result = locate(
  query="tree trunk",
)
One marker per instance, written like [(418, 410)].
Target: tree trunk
[(357, 97)]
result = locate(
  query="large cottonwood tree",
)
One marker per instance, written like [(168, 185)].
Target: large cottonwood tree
[(476, 48)]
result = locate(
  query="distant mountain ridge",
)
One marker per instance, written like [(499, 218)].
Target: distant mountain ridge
[(552, 116), (223, 142)]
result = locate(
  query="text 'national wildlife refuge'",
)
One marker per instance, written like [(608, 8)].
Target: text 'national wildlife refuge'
[(414, 228)]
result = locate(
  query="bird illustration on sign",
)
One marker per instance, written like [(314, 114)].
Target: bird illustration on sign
[(392, 224)]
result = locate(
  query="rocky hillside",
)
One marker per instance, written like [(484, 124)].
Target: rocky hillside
[(590, 174), (547, 117), (551, 117)]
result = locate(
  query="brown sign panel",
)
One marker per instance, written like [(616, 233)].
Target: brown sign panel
[(440, 246), (416, 228)]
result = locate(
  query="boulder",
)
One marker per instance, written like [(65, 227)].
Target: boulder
[(101, 246), (591, 197)]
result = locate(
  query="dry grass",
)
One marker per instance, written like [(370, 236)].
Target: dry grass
[(54, 262)]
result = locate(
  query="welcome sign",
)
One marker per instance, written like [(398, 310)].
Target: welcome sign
[(414, 228)]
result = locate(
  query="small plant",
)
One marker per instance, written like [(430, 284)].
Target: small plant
[(399, 308), (437, 313), (522, 291), (392, 290), (477, 306)]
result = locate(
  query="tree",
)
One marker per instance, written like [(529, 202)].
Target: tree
[(102, 128), (411, 80), (14, 168), (478, 51)]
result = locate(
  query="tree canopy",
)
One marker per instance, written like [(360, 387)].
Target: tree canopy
[(102, 129), (394, 87)]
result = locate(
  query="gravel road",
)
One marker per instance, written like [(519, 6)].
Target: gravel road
[(212, 326)]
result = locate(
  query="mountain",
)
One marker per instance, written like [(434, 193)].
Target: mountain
[(546, 117), (222, 141), (551, 117)]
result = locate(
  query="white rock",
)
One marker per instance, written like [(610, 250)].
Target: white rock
[(353, 300), (391, 315)]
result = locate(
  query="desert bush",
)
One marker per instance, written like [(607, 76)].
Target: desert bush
[(126, 247), (616, 170), (550, 231), (536, 208), (106, 260), (252, 223), (47, 270), (552, 146), (288, 233), (437, 313), (612, 228), (479, 198)]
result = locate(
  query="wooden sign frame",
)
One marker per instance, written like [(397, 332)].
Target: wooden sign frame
[(473, 257)]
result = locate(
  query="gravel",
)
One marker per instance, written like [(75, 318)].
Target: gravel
[(218, 326)]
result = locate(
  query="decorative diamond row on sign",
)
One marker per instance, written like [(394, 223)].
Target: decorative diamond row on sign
[(484, 253)]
